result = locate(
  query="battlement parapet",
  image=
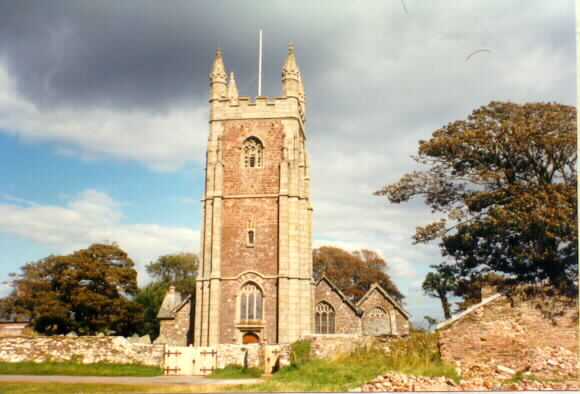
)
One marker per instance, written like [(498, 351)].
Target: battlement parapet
[(244, 107)]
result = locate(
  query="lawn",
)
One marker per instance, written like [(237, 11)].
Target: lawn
[(78, 369)]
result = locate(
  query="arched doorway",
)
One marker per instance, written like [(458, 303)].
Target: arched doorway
[(250, 337)]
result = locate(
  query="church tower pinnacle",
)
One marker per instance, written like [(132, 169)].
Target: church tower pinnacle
[(217, 77)]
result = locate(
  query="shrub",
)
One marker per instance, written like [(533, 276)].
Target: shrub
[(300, 352)]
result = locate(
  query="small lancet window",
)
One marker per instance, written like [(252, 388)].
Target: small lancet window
[(251, 238), (252, 151)]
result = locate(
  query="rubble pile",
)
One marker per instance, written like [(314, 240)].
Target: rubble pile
[(394, 381), (553, 362)]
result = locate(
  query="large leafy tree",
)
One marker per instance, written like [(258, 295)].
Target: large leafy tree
[(86, 291), (504, 181), (353, 273)]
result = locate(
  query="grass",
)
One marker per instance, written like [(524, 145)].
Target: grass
[(78, 369), (417, 355), (235, 372), (106, 388)]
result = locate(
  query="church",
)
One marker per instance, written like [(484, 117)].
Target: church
[(255, 282)]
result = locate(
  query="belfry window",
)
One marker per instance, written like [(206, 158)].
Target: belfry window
[(324, 319), (252, 151), (250, 303)]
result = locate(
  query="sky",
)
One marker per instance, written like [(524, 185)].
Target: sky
[(104, 112)]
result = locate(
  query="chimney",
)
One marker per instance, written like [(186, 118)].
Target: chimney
[(488, 291)]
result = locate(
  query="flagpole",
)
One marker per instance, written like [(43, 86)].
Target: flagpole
[(260, 66)]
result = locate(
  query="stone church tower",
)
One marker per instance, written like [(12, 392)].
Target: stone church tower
[(255, 280)]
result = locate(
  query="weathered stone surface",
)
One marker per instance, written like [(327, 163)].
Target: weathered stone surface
[(536, 335), (177, 331), (328, 346), (85, 349), (346, 319)]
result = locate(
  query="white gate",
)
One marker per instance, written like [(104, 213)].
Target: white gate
[(182, 360)]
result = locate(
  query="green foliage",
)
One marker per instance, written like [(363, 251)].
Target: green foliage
[(233, 371), (300, 352), (75, 368), (46, 387), (505, 180), (86, 291), (353, 273), (150, 298), (439, 285), (178, 270)]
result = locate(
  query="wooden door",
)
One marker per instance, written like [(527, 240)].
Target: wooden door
[(250, 337)]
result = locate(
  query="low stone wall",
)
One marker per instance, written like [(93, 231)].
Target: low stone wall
[(510, 333), (250, 355), (328, 346), (82, 349)]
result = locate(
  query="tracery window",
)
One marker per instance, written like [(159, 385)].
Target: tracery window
[(252, 151), (378, 312), (250, 302), (324, 319)]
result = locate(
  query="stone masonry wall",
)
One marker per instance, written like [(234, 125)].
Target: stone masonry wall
[(346, 320), (506, 334), (177, 332), (399, 323), (83, 349), (328, 346)]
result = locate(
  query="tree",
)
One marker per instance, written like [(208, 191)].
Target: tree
[(439, 285), (150, 298), (353, 273), (178, 270), (85, 291), (431, 322), (505, 182)]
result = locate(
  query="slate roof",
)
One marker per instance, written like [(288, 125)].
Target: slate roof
[(172, 303)]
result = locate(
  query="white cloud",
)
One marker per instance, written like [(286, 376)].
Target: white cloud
[(161, 140), (93, 216)]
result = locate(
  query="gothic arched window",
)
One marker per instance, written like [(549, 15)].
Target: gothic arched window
[(250, 302), (252, 150), (324, 319)]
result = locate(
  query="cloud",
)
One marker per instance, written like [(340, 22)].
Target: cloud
[(93, 216), (162, 140)]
